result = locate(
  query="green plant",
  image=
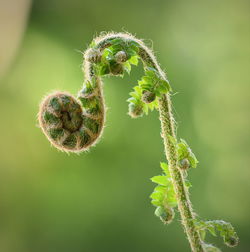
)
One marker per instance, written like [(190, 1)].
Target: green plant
[(74, 125)]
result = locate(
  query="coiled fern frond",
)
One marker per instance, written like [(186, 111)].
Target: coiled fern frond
[(75, 124)]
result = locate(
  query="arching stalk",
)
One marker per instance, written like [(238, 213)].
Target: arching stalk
[(74, 125)]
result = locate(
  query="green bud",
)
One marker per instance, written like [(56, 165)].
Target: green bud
[(231, 241), (184, 164), (135, 110), (121, 57), (148, 97), (165, 214), (94, 56)]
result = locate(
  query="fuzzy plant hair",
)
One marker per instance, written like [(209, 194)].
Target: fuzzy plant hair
[(75, 124)]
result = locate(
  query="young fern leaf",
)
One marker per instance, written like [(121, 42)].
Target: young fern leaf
[(163, 196), (75, 124), (225, 230), (185, 155)]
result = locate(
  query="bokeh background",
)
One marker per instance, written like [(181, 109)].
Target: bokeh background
[(99, 201)]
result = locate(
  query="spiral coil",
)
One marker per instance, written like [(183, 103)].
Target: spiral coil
[(73, 125)]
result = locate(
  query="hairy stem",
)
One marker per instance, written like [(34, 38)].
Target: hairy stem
[(184, 204), (74, 125)]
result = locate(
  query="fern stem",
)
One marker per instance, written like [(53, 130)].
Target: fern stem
[(184, 204), (74, 125)]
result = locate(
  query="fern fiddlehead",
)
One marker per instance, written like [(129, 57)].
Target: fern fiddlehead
[(73, 125)]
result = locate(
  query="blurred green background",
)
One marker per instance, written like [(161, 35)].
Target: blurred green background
[(99, 201)]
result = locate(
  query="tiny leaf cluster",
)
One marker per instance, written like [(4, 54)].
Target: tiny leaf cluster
[(225, 230), (116, 59), (164, 198)]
